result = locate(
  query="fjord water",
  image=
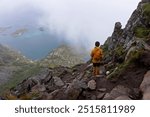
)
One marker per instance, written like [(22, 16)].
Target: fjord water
[(35, 43)]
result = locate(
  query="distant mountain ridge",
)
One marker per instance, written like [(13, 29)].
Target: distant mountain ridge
[(64, 55)]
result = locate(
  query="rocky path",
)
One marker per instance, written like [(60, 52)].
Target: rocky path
[(76, 83)]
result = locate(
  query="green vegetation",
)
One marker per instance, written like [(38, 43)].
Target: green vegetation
[(105, 48), (146, 11), (120, 68), (119, 51), (23, 73), (142, 32)]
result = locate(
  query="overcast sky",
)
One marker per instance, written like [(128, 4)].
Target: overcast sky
[(79, 21)]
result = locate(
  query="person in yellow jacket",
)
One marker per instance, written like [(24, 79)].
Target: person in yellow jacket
[(96, 55)]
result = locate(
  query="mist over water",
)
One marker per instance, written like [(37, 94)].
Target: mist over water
[(34, 44), (76, 22)]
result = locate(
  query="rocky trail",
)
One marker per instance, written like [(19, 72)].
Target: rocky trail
[(64, 83)]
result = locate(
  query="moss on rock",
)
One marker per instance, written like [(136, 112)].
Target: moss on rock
[(142, 32)]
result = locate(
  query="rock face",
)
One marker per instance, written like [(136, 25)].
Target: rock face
[(118, 92), (145, 86), (145, 0)]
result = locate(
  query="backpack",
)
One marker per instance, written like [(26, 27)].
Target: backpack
[(97, 54)]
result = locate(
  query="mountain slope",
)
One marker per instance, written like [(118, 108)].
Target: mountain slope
[(11, 63), (63, 56)]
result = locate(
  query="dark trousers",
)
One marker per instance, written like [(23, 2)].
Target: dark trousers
[(96, 69)]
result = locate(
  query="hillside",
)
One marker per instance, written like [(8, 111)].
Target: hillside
[(63, 56), (125, 69), (11, 63), (14, 67)]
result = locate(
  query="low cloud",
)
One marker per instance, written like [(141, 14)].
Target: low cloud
[(80, 22)]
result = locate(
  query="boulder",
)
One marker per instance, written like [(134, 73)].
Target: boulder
[(73, 90), (146, 94), (102, 89), (146, 82), (100, 95), (58, 82), (38, 88), (107, 97), (145, 86), (123, 97), (118, 91), (92, 84)]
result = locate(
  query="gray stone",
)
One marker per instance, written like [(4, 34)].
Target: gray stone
[(146, 82), (119, 91), (146, 94), (100, 95), (58, 81), (123, 97), (92, 84), (38, 88), (145, 86), (107, 97), (102, 89)]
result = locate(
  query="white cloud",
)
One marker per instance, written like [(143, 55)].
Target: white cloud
[(80, 21)]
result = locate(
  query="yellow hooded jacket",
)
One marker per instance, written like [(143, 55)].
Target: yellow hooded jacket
[(96, 55)]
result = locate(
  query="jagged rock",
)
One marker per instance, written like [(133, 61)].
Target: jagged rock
[(117, 26), (107, 97), (24, 87), (102, 89), (145, 86), (145, 0), (100, 95), (146, 95), (118, 91), (146, 82), (92, 84), (47, 78), (58, 81), (52, 94), (123, 97), (38, 88), (135, 94), (129, 54), (72, 93), (73, 90)]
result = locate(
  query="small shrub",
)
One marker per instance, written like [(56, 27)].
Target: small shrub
[(142, 32), (146, 10)]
